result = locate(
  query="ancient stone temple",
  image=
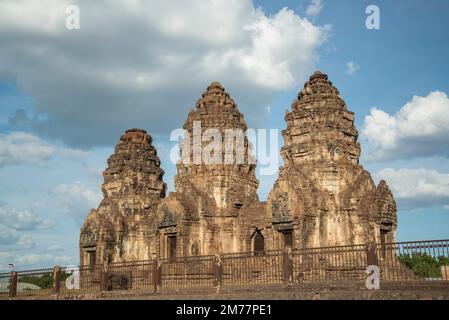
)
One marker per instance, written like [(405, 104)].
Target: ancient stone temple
[(322, 197)]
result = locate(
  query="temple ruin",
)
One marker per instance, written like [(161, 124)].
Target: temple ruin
[(322, 197)]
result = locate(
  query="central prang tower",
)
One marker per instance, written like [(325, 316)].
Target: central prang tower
[(231, 184), (213, 188)]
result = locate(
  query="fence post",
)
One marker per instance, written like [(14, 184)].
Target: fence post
[(218, 271), (13, 284), (287, 263), (157, 275), (371, 255), (56, 280), (104, 277)]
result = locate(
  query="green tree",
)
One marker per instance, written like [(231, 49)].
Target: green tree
[(423, 264), (44, 281)]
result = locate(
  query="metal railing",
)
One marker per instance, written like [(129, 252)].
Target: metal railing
[(4, 284), (244, 269), (403, 262), (34, 282)]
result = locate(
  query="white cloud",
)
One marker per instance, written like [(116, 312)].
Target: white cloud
[(27, 242), (314, 8), (10, 239), (8, 236), (417, 187), (351, 67), (76, 199), (131, 59), (23, 220), (41, 259), (55, 248), (26, 148), (21, 147), (420, 128), (26, 15)]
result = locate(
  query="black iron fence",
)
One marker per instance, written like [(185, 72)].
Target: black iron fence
[(4, 284), (405, 262)]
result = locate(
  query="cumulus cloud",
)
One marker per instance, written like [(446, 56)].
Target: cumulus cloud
[(12, 240), (21, 147), (55, 248), (26, 148), (414, 188), (8, 236), (27, 242), (14, 222), (76, 199), (420, 128), (351, 67), (314, 8), (139, 63), (41, 259), (23, 220)]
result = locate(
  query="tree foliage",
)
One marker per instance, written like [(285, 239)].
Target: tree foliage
[(423, 264), (45, 281)]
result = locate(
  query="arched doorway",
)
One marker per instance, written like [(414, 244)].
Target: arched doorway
[(258, 243)]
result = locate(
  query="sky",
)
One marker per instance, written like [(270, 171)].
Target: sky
[(66, 96)]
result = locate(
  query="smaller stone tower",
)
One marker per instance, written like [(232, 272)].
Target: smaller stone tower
[(132, 189)]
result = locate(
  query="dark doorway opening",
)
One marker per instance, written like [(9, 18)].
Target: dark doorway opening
[(288, 238), (259, 243), (92, 260), (383, 241), (172, 248)]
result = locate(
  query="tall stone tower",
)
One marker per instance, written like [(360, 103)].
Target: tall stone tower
[(132, 189), (230, 184), (323, 196), (213, 184)]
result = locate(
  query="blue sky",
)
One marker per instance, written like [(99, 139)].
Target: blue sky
[(66, 96)]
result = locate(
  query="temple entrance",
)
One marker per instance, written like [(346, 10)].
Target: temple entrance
[(92, 260), (171, 247), (288, 238), (258, 243), (383, 240)]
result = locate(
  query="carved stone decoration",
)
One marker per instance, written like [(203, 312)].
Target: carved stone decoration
[(168, 218), (88, 238), (195, 249)]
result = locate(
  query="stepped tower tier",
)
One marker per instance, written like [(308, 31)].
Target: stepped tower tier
[(134, 172), (320, 128)]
